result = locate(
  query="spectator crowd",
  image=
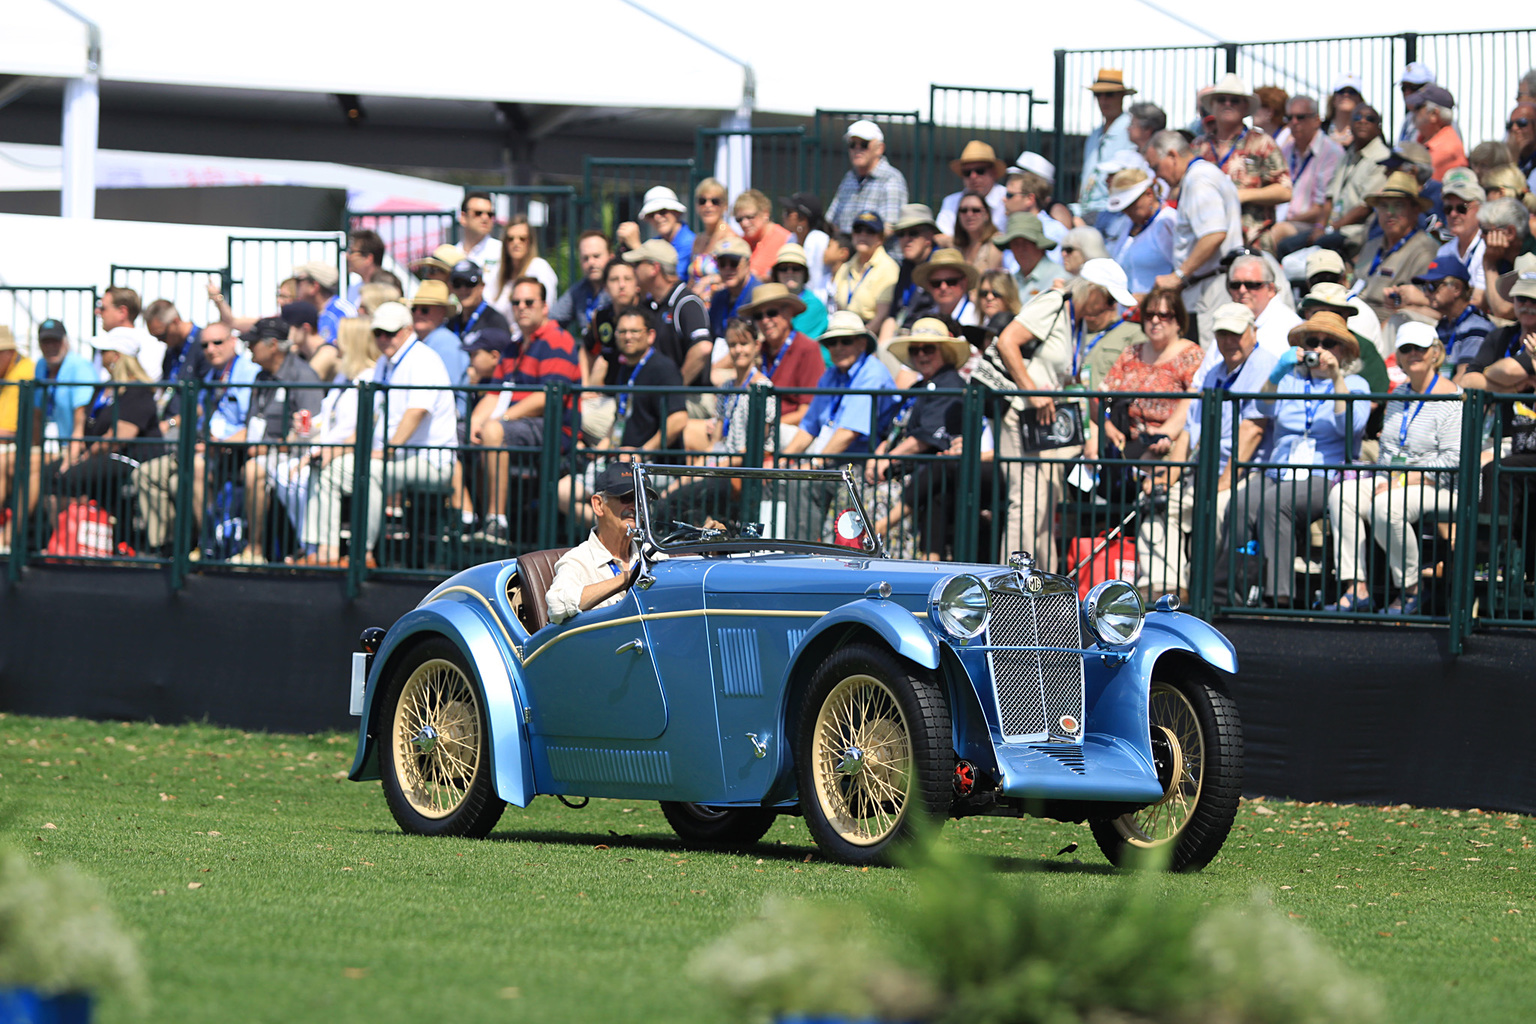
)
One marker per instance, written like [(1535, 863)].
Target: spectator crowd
[(1290, 247)]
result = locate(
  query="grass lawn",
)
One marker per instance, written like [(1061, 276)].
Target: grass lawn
[(267, 888)]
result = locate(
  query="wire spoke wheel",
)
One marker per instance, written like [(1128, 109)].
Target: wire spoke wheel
[(1180, 749), (436, 738), (862, 754)]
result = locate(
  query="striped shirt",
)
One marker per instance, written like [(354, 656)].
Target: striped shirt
[(884, 192), (1463, 335), (549, 354), (335, 311), (1434, 431)]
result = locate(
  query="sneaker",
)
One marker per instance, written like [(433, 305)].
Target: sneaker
[(494, 531), (248, 556)]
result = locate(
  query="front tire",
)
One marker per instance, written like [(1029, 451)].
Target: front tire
[(1197, 741), (434, 742), (872, 752), (717, 827)]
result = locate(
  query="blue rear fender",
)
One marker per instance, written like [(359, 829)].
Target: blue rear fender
[(472, 627)]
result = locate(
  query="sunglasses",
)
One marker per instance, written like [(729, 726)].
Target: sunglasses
[(1298, 117), (1371, 118), (525, 303), (711, 200), (922, 350), (481, 213), (1230, 101), (971, 209), (907, 235), (845, 341), (857, 144), (1457, 207), (462, 282), (864, 229), (1517, 122), (378, 332), (767, 314), (727, 262), (1319, 341), (945, 282), (987, 293), (1068, 248), (1411, 351), (1162, 314), (975, 172), (1247, 286)]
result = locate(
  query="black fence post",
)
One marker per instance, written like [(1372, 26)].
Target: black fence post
[(1202, 541), (362, 468), (1410, 47), (183, 523), (21, 482), (549, 463), (968, 504), (1231, 49), (1473, 410), (1059, 112), (756, 443)]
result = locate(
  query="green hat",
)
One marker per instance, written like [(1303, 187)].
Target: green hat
[(1026, 226)]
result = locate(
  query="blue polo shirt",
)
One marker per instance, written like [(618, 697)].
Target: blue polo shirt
[(1249, 379), (683, 243), (65, 392), (1463, 337), (231, 405), (852, 412), (335, 311), (722, 307)]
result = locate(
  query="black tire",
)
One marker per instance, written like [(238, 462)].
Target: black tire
[(894, 742), (718, 827), (1196, 734), (440, 784)]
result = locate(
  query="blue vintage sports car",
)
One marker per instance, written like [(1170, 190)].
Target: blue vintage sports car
[(771, 660)]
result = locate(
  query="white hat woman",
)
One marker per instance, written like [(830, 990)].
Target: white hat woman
[(1141, 238)]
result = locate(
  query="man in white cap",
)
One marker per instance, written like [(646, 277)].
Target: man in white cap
[(1027, 188), (871, 182), (1104, 141), (318, 282), (979, 171), (667, 216), (1246, 155), (1209, 223), (1415, 77)]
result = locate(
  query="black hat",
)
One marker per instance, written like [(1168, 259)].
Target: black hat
[(805, 204), (617, 480), (466, 271), (488, 339), (296, 313), (51, 330), (272, 327)]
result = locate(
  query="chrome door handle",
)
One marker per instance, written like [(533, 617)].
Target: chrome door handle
[(633, 645)]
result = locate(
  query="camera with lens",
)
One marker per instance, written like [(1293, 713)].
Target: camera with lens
[(1310, 359)]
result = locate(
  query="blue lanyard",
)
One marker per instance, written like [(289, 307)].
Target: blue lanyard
[(624, 398), (592, 303), (1311, 404), (1295, 174), (837, 403), (1222, 163), (854, 290), (728, 407), (215, 377), (1226, 385), (1079, 353), (769, 371), (1388, 254), (470, 323), (390, 365), (103, 399), (1407, 421)]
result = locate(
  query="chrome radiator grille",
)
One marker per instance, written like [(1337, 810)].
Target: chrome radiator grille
[(1039, 693)]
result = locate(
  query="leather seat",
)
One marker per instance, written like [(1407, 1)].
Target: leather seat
[(535, 573)]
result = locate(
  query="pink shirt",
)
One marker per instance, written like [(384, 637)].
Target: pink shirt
[(1311, 170)]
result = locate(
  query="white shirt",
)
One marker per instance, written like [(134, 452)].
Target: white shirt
[(540, 270), (488, 255), (950, 208), (1473, 259), (587, 563), (419, 368), (1272, 328), (820, 282)]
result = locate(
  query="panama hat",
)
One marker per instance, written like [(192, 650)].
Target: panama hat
[(1229, 85), (1521, 281), (791, 254), (772, 294), (658, 198), (1329, 324), (1399, 185), (930, 330), (946, 259), (443, 258), (1111, 80), (978, 152), (845, 323), (1330, 297), (914, 215)]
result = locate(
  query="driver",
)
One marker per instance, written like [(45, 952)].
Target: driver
[(596, 573)]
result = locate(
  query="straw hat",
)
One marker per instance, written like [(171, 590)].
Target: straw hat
[(1331, 325), (978, 152), (1399, 185), (443, 258), (772, 294), (1229, 85), (432, 293), (946, 259), (845, 323), (792, 254), (1111, 80), (1329, 297), (931, 331)]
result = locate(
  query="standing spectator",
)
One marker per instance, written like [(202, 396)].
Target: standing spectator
[(1250, 158), (684, 333), (792, 269), (1025, 240), (871, 184), (303, 321), (790, 359), (1433, 107), (519, 258), (1358, 175), (413, 441), (916, 234), (317, 284), (980, 172), (871, 272), (1344, 99), (439, 266), (573, 310), (118, 309), (1105, 140), (477, 220), (841, 424), (1147, 119), (365, 257), (975, 227), (667, 216), (429, 318), (1521, 140), (60, 401), (733, 261), (621, 284), (1462, 328), (1139, 231), (475, 313), (754, 213), (698, 270), (1312, 157), (1402, 252), (801, 214), (14, 368), (1209, 223), (1414, 433), (1416, 75), (183, 356)]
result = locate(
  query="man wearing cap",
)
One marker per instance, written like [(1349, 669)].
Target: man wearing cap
[(871, 183), (1462, 328), (1250, 158), (840, 424), (467, 283), (183, 351), (916, 234), (666, 214), (439, 265), (684, 326), (801, 214), (64, 380), (1105, 140), (1359, 174), (573, 310), (979, 171), (733, 259), (1027, 189), (598, 572), (1416, 75), (1025, 240), (1432, 108), (859, 284), (477, 219), (413, 439), (1209, 223), (1312, 157), (791, 269), (754, 212), (317, 283), (1403, 250)]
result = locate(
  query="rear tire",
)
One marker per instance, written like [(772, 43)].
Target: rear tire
[(718, 827), (1197, 741)]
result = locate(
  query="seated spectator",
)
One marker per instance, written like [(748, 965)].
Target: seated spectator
[(519, 258), (429, 318), (683, 324), (375, 293), (733, 263), (801, 215), (1505, 362), (1462, 328), (944, 284), (1311, 435), (1485, 156), (1250, 280), (997, 303), (699, 271), (1327, 284), (1026, 241), (754, 213), (1249, 157), (667, 217), (273, 410), (365, 257), (1402, 252), (515, 418), (980, 173), (790, 359), (726, 435), (183, 352), (1269, 110), (413, 441), (871, 272), (1416, 75), (598, 572), (839, 251), (303, 322), (791, 269), (1433, 114), (871, 184), (60, 402), (842, 424), (1521, 142), (621, 286), (475, 312), (916, 236), (1359, 173), (1312, 157), (439, 266), (1139, 229), (932, 426), (317, 284), (1462, 198), (573, 310), (975, 224), (1505, 221), (1415, 433), (477, 225), (1344, 100), (14, 368), (1081, 245)]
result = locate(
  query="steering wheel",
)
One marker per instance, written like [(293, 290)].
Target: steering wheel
[(685, 532)]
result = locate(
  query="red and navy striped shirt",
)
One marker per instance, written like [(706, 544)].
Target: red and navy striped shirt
[(546, 355)]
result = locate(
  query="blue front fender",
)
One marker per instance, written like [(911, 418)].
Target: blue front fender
[(896, 626), (1164, 631), (470, 626)]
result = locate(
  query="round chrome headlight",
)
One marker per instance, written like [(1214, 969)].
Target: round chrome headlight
[(960, 606), (1114, 613)]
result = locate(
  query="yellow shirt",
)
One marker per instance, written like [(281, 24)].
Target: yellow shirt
[(859, 287), (21, 369)]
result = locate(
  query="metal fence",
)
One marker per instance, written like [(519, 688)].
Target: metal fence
[(23, 307), (613, 188), (258, 265), (553, 214), (186, 287), (907, 144), (772, 160), (407, 235), (1003, 118)]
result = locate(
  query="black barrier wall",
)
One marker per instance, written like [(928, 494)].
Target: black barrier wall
[(1350, 713)]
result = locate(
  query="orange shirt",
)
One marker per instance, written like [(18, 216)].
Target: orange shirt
[(766, 250), (1445, 151)]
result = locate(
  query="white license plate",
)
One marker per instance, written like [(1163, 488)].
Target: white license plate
[(359, 680)]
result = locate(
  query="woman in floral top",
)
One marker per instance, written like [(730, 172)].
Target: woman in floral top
[(1166, 361)]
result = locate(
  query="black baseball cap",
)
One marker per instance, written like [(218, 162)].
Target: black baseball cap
[(273, 327), (296, 313), (617, 480), (51, 330), (465, 273), (803, 203), (488, 339)]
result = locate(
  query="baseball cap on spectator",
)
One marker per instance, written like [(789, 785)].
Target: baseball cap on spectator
[(617, 480), (267, 327), (1348, 80), (729, 246), (805, 204), (1026, 226), (432, 293), (392, 317), (1417, 333), (870, 221), (845, 323), (1232, 317), (1034, 163), (914, 215), (1462, 183), (318, 271), (487, 339), (50, 330), (7, 339), (656, 250), (1110, 276), (1442, 267), (118, 339), (866, 130), (1439, 95), (296, 313), (792, 254), (443, 258), (658, 198), (465, 272), (1324, 261), (1416, 73)]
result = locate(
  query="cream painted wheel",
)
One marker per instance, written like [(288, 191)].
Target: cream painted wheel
[(1178, 745)]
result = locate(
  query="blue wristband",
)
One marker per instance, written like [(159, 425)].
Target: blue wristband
[(1283, 366)]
